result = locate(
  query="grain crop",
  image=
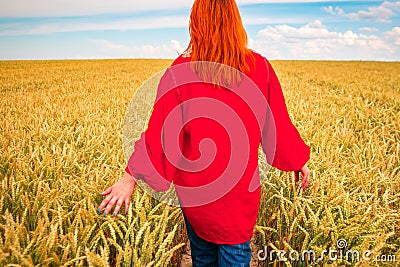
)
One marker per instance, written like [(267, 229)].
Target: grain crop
[(61, 144)]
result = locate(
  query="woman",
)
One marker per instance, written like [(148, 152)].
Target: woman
[(214, 106)]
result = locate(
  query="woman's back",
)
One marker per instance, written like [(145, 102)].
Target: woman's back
[(221, 129), (214, 162)]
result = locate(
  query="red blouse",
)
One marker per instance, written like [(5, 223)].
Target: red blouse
[(204, 138)]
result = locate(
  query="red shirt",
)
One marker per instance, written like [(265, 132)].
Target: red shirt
[(205, 138)]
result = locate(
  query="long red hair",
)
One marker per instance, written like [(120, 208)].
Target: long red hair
[(217, 35)]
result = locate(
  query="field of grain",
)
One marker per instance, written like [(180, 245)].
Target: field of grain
[(61, 144)]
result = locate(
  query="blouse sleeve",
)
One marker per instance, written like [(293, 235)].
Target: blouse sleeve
[(148, 161), (281, 142)]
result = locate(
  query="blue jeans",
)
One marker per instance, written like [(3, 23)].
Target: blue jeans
[(205, 253)]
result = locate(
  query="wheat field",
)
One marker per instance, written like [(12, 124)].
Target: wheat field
[(61, 144)]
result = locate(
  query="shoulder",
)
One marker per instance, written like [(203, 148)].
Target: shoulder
[(257, 55), (260, 60), (262, 66), (182, 58)]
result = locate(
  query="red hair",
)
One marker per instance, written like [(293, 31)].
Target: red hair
[(217, 35)]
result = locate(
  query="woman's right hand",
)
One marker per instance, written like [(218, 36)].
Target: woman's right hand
[(305, 172), (118, 194)]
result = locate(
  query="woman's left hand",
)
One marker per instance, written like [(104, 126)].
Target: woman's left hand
[(118, 194), (306, 176)]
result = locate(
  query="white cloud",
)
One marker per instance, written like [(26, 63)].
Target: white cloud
[(394, 35), (334, 11), (54, 8), (315, 41), (369, 29), (268, 20), (310, 31), (76, 25), (393, 5), (382, 13), (114, 50)]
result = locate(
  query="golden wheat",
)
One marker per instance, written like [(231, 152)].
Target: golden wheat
[(61, 144)]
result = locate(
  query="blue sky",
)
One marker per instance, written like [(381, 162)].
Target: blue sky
[(78, 29)]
